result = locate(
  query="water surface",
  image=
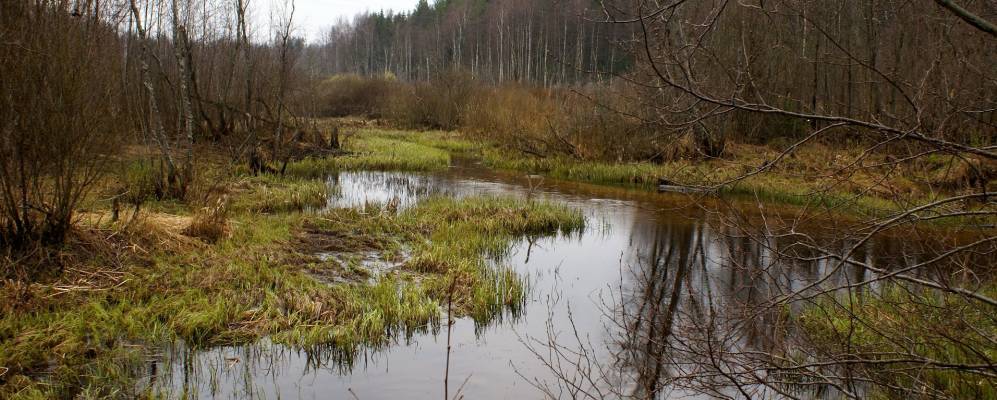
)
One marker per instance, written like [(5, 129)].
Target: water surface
[(632, 281)]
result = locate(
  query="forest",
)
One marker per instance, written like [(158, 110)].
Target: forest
[(499, 198), (541, 43)]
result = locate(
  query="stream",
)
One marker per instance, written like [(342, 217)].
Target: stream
[(656, 256)]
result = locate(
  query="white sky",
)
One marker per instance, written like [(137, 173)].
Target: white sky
[(314, 16)]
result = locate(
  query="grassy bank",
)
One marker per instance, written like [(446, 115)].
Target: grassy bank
[(814, 177), (248, 264), (387, 150), (252, 261), (911, 339)]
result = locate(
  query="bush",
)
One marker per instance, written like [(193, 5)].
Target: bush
[(556, 122), (351, 94), (596, 122), (438, 104), (59, 116)]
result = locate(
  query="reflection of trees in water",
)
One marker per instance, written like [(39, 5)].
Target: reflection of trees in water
[(666, 281), (702, 308), (357, 188), (247, 371), (648, 315), (714, 312), (685, 303)]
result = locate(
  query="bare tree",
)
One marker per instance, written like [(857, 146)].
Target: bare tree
[(283, 44), (154, 127), (59, 114), (181, 51)]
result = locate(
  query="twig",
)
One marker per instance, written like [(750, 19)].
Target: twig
[(446, 370)]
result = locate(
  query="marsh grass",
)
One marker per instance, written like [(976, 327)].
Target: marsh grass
[(934, 326), (809, 178), (275, 194), (796, 183), (138, 180), (256, 277), (210, 223), (252, 279), (450, 141), (453, 241), (378, 150), (466, 233)]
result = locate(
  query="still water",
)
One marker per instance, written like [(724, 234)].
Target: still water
[(602, 305)]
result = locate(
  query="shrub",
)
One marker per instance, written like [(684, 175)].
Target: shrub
[(351, 94), (439, 103), (596, 122), (59, 116), (552, 122)]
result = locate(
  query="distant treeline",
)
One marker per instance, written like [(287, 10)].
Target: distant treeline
[(754, 70), (538, 41)]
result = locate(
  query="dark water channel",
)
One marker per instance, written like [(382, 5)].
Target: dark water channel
[(643, 258)]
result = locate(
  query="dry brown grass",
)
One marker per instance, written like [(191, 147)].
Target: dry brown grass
[(99, 256), (962, 173), (210, 223)]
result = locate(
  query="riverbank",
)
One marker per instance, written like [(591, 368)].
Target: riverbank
[(832, 181), (263, 257), (845, 182)]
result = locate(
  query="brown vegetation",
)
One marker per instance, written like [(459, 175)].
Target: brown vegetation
[(61, 116), (210, 223), (84, 81)]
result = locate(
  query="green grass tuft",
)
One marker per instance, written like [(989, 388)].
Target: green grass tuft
[(383, 151), (274, 194)]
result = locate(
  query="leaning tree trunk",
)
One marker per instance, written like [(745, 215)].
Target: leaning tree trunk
[(155, 128)]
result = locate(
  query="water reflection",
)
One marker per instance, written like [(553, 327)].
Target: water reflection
[(359, 188), (631, 307)]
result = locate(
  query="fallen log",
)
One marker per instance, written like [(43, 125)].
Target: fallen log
[(665, 185), (683, 189)]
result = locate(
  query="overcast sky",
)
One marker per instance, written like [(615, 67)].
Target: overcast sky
[(313, 16)]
